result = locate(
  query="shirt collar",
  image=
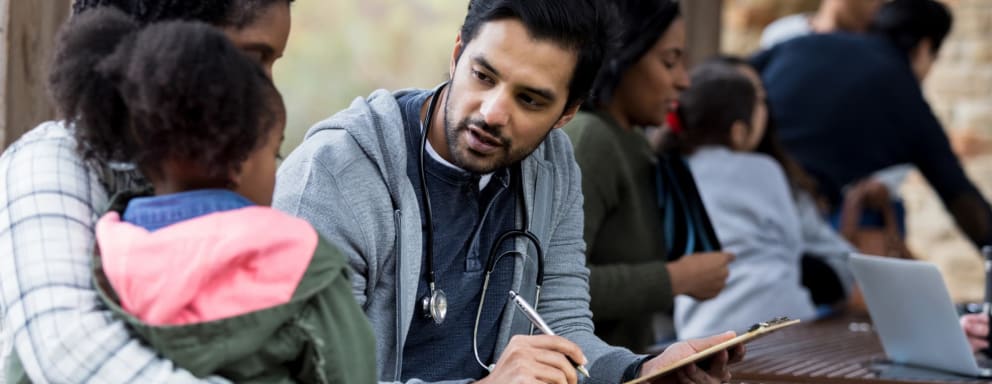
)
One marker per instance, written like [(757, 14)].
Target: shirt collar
[(155, 212), (483, 179)]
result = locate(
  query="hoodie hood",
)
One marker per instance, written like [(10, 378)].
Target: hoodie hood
[(368, 121), (212, 267)]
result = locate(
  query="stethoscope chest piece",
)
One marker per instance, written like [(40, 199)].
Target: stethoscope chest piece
[(435, 306)]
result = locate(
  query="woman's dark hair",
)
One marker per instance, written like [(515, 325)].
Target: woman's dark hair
[(719, 96), (236, 13), (173, 90), (907, 22), (770, 145), (642, 23), (583, 26)]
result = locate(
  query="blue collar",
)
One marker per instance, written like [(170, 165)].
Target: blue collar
[(156, 212)]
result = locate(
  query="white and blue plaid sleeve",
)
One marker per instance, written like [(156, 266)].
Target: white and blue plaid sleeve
[(52, 316)]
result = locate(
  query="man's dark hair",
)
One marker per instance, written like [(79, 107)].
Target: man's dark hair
[(719, 96), (642, 23), (583, 26), (236, 13), (173, 90), (907, 22)]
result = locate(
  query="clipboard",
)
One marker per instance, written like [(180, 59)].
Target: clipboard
[(756, 331)]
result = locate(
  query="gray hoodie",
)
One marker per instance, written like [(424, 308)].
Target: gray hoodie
[(349, 180)]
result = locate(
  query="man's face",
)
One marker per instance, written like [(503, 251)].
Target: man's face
[(507, 92)]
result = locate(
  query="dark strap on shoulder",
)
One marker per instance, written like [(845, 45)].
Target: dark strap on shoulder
[(686, 224)]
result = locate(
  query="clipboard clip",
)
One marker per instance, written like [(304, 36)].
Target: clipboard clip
[(769, 323)]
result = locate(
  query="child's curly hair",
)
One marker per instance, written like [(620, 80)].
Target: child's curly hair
[(174, 90), (223, 13)]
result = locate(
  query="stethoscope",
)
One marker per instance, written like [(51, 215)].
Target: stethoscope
[(435, 304)]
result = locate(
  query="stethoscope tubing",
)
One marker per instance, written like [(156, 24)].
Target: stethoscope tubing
[(493, 257)]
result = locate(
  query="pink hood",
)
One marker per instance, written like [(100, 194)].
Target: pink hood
[(212, 267)]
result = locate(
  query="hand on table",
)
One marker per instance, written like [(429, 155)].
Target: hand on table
[(976, 327), (717, 372)]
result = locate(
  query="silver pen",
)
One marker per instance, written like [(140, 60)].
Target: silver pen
[(539, 322)]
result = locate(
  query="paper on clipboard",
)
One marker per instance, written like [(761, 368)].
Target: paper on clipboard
[(755, 332)]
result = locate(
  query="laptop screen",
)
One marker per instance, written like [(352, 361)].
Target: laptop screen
[(913, 314)]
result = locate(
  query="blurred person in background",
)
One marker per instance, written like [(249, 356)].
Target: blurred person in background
[(846, 16), (874, 217), (875, 203), (750, 189), (833, 16), (635, 272), (849, 105)]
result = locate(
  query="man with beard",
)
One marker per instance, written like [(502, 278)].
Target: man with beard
[(489, 201)]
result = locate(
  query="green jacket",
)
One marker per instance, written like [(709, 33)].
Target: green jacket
[(625, 250), (320, 335)]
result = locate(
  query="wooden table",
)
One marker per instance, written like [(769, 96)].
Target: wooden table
[(837, 350)]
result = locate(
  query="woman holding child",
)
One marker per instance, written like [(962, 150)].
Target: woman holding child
[(192, 266)]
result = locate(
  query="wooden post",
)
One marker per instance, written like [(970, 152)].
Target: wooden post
[(4, 54), (27, 40), (702, 27)]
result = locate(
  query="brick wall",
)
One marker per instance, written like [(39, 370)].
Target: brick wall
[(960, 92)]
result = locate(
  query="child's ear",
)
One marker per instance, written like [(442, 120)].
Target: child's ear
[(233, 180), (234, 177), (738, 135)]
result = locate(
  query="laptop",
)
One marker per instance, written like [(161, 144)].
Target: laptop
[(914, 316)]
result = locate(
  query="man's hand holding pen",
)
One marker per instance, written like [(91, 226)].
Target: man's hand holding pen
[(553, 359), (545, 359), (537, 359)]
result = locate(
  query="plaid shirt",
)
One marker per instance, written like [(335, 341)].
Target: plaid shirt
[(50, 200)]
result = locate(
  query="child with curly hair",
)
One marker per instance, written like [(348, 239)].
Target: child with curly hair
[(202, 269)]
